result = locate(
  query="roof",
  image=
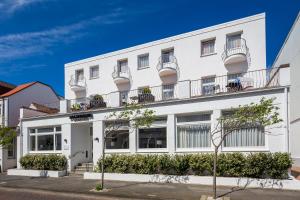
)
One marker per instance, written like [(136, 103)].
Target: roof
[(17, 89), (43, 108), (6, 85)]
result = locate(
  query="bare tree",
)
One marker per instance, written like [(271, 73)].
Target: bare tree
[(134, 116), (263, 114)]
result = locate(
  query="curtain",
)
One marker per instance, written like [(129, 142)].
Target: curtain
[(143, 61), (208, 47), (245, 137), (193, 136)]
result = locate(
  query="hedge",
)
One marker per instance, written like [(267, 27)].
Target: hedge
[(253, 165), (44, 162)]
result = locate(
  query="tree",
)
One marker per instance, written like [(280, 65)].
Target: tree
[(7, 136), (263, 114), (134, 115)]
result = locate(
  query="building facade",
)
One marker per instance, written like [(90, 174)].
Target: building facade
[(189, 80), (11, 101)]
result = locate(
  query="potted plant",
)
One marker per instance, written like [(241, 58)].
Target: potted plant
[(97, 102), (75, 107), (146, 96)]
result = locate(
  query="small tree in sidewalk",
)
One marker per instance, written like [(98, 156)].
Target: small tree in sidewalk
[(263, 114), (134, 116), (7, 136)]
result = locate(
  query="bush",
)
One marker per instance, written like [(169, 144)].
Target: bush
[(256, 165), (44, 162)]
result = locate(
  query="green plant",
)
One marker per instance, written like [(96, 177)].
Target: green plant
[(75, 106), (44, 162), (98, 97), (6, 136), (98, 187), (146, 90)]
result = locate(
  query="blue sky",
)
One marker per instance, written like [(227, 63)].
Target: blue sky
[(37, 37)]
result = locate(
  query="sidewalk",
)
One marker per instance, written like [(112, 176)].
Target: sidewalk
[(131, 190)]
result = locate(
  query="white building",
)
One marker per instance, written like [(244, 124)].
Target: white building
[(14, 98), (289, 56), (193, 78)]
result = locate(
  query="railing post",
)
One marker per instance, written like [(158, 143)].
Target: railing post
[(64, 106), (114, 99), (184, 89)]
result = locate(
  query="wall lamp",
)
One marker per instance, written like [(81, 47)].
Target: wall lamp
[(96, 139)]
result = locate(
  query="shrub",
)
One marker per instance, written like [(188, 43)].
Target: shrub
[(255, 165), (44, 162)]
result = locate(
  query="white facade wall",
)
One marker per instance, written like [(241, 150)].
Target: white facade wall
[(77, 134), (187, 50), (290, 54)]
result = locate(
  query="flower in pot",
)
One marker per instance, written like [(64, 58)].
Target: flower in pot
[(76, 107), (146, 90), (98, 97), (97, 102), (145, 96)]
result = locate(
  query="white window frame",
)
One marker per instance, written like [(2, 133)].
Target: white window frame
[(77, 76), (91, 71), (198, 149), (203, 42), (212, 84), (36, 134), (154, 150), (13, 149), (139, 63)]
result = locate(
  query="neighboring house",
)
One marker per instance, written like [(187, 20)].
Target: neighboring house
[(193, 79), (29, 94), (289, 56)]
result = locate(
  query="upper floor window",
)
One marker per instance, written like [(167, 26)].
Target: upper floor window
[(94, 72), (208, 85), (168, 91), (207, 47), (233, 41), (79, 75), (167, 55), (122, 65), (143, 61)]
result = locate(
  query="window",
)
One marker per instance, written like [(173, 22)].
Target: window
[(94, 72), (193, 131), (207, 47), (79, 75), (251, 135), (143, 61), (233, 41), (208, 85), (232, 77), (123, 97), (122, 66), (168, 92), (11, 150), (167, 56), (45, 139), (152, 138), (117, 135)]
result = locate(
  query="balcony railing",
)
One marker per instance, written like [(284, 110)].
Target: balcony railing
[(121, 76), (167, 65), (232, 83), (235, 47), (77, 84)]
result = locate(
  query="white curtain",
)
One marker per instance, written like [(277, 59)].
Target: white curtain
[(143, 61), (193, 136), (245, 137), (208, 47)]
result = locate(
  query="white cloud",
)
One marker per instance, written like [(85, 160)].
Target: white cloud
[(11, 6)]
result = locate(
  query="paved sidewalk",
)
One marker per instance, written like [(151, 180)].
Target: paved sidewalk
[(131, 190)]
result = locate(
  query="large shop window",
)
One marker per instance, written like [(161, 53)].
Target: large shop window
[(251, 135), (117, 135), (45, 139), (193, 131)]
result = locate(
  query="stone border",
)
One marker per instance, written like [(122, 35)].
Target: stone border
[(202, 180), (35, 173)]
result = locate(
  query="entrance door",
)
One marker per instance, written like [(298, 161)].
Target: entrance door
[(91, 145)]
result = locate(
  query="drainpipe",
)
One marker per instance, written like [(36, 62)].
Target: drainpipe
[(286, 96)]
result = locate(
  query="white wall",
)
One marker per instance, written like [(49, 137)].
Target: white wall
[(38, 93), (187, 49), (290, 54)]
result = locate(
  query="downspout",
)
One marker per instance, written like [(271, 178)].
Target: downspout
[(286, 94)]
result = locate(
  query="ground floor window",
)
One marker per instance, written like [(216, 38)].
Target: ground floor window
[(152, 138), (118, 139), (193, 131), (45, 139), (11, 150), (250, 136)]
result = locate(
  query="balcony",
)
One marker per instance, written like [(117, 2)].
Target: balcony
[(167, 65), (218, 85), (121, 76), (235, 52), (77, 84)]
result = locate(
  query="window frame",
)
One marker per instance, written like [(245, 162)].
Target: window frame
[(208, 84), (197, 149), (76, 75), (163, 91), (138, 61), (206, 41), (91, 69), (36, 135)]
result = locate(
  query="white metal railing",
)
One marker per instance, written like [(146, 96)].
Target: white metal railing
[(166, 61), (124, 73), (237, 46), (77, 82)]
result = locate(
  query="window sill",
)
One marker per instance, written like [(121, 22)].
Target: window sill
[(11, 158), (45, 152), (153, 150), (185, 150), (94, 78), (141, 68), (211, 54), (117, 151), (244, 149)]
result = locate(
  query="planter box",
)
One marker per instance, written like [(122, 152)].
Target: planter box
[(146, 98), (35, 173), (202, 180)]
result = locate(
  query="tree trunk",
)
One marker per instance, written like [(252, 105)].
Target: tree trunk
[(215, 173), (102, 164)]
